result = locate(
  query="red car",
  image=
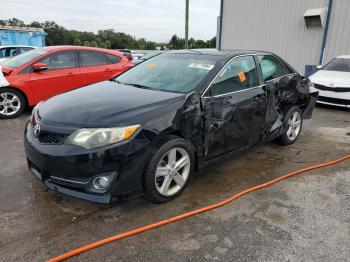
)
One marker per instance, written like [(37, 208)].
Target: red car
[(45, 72)]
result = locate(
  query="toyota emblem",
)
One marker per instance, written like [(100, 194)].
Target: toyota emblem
[(36, 130)]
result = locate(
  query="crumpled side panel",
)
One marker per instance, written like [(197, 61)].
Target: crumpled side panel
[(291, 90)]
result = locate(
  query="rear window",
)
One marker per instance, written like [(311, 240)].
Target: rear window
[(113, 58), (92, 58), (338, 64), (271, 67)]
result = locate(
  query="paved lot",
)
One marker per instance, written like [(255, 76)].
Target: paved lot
[(306, 218)]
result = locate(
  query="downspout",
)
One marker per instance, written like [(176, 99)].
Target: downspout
[(325, 34), (220, 25)]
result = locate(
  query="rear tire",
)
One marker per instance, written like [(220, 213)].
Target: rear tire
[(293, 123), (169, 168), (12, 103)]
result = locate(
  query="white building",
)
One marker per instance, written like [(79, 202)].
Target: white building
[(304, 32)]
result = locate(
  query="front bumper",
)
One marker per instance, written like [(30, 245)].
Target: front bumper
[(70, 169), (336, 98)]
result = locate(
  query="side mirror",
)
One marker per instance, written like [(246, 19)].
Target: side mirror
[(39, 67), (319, 67)]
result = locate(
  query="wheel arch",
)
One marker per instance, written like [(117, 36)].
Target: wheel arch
[(164, 135), (22, 93)]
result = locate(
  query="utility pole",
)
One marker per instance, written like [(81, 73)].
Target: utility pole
[(186, 24)]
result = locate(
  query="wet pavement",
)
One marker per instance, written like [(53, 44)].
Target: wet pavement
[(305, 218)]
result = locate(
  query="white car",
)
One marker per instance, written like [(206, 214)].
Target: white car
[(6, 52), (136, 55), (333, 82)]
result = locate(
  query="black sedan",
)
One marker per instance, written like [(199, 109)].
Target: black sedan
[(146, 131)]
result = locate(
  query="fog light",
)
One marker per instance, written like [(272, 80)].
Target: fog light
[(101, 182)]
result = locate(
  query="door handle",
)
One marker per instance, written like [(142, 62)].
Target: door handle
[(70, 74), (108, 70)]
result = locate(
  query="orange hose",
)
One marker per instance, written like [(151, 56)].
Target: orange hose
[(192, 213)]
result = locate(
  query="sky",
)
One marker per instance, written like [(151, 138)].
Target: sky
[(155, 20)]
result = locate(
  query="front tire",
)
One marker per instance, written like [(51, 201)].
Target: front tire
[(293, 124), (168, 171), (12, 103)]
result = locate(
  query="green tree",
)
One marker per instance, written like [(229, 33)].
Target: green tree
[(108, 38), (201, 44), (108, 44), (142, 43), (212, 42), (94, 43), (175, 42), (102, 45), (14, 22), (191, 43), (77, 41), (35, 24)]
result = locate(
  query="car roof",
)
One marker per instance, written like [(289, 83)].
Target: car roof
[(74, 47), (344, 56), (216, 52)]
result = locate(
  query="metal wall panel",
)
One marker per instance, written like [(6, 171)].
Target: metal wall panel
[(273, 25), (339, 30)]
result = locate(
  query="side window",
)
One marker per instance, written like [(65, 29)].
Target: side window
[(60, 60), (271, 67), (10, 52), (92, 58), (239, 74), (113, 59)]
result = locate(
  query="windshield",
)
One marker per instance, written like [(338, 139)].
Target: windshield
[(24, 58), (338, 64), (170, 72)]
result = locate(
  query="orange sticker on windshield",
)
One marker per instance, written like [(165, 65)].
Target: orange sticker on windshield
[(242, 77), (151, 65)]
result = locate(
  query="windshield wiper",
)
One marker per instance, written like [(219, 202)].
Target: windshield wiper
[(137, 85), (115, 80)]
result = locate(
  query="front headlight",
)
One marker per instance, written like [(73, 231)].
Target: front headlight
[(91, 138), (32, 117), (312, 87)]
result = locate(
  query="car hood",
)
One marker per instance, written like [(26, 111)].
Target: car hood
[(331, 77), (105, 104)]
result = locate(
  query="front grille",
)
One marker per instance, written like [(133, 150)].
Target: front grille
[(332, 89), (333, 100), (51, 138)]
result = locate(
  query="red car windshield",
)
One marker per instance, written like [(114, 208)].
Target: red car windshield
[(24, 58)]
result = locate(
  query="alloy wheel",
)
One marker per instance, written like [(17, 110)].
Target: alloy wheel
[(294, 126), (10, 104), (172, 171)]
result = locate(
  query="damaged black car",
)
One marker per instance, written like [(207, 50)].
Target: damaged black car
[(146, 131)]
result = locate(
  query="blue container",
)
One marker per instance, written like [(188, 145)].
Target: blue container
[(310, 69), (21, 36)]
